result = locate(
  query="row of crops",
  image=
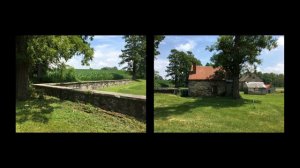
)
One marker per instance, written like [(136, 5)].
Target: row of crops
[(73, 75), (92, 74)]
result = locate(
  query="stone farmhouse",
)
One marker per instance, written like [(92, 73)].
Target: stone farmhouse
[(208, 81)]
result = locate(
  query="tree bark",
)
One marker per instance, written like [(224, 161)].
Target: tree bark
[(176, 81), (134, 71), (236, 70), (41, 71), (235, 88), (22, 81)]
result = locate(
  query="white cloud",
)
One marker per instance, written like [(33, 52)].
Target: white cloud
[(280, 47), (104, 56), (186, 46), (162, 43), (258, 69), (100, 47), (160, 65), (278, 69), (266, 52), (104, 37), (280, 41)]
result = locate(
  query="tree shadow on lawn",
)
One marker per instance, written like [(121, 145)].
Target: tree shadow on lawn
[(138, 80), (35, 110), (214, 102)]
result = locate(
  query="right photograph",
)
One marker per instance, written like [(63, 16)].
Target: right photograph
[(219, 84)]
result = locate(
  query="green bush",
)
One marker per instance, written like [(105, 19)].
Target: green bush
[(61, 75), (184, 92), (162, 84)]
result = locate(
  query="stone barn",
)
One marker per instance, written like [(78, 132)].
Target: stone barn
[(206, 81), (248, 77)]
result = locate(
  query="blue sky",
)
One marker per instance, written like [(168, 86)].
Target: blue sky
[(108, 48), (272, 61), (106, 53)]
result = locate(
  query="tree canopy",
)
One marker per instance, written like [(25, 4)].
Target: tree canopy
[(180, 64), (52, 49), (134, 55), (157, 40), (233, 52), (209, 64), (47, 49)]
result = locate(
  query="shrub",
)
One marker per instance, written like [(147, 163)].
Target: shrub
[(162, 84), (184, 92), (61, 75)]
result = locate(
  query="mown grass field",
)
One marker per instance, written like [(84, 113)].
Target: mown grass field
[(182, 114), (279, 89), (137, 87), (53, 115)]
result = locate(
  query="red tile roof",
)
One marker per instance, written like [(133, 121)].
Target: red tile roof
[(268, 86), (203, 73)]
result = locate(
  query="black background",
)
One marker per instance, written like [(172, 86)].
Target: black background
[(151, 19)]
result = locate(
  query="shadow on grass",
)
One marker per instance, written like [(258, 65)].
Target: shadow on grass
[(214, 102), (36, 110), (137, 80)]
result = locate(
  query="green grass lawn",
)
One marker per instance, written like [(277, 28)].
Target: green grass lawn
[(137, 87), (53, 115), (279, 89), (181, 114)]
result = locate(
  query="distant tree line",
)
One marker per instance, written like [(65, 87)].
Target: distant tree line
[(109, 68), (277, 80)]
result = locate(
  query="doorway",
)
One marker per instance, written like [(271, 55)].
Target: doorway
[(214, 90)]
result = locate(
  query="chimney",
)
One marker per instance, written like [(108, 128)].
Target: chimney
[(193, 68)]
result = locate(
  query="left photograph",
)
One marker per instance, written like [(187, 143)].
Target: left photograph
[(81, 83)]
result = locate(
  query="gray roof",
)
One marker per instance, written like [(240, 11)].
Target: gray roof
[(255, 84), (249, 77)]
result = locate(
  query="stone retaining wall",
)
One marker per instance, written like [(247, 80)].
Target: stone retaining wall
[(166, 90), (132, 105), (92, 84)]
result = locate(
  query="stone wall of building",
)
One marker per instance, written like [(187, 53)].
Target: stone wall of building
[(132, 105), (205, 88)]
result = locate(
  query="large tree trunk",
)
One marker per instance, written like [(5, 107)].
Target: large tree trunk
[(176, 81), (41, 71), (236, 70), (134, 71), (235, 87), (22, 81)]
